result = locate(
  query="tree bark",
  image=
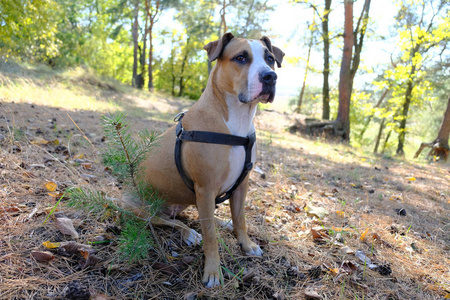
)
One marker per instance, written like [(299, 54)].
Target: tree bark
[(380, 132), (386, 140), (444, 131), (302, 92), (370, 117), (326, 62), (439, 147), (183, 64), (153, 15), (345, 76), (135, 42), (144, 46), (402, 128)]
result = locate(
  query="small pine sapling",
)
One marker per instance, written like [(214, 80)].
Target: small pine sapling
[(124, 155)]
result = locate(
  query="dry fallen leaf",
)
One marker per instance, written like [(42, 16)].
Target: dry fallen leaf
[(65, 225), (330, 269), (51, 245), (165, 268), (319, 233), (340, 213), (100, 297), (39, 141), (56, 194), (318, 212), (347, 250), (51, 186), (312, 295), (363, 235), (71, 247), (78, 156), (42, 256)]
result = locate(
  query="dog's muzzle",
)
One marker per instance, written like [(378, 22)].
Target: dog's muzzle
[(268, 80)]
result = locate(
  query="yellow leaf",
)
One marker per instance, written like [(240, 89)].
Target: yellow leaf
[(411, 178), (363, 235), (39, 141), (51, 186), (51, 245), (352, 184), (78, 156), (56, 194), (447, 296), (340, 213)]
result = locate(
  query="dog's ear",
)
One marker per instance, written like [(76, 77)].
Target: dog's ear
[(214, 49), (275, 50)]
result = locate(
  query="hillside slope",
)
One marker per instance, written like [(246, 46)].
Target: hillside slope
[(316, 209)]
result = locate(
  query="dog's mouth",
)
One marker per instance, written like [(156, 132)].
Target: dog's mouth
[(266, 97)]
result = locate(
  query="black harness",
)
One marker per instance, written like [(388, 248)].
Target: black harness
[(213, 138)]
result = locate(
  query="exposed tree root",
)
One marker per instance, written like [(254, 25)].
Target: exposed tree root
[(439, 149)]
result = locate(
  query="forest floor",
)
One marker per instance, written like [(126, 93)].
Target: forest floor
[(318, 210)]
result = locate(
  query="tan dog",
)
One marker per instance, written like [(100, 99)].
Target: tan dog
[(242, 77)]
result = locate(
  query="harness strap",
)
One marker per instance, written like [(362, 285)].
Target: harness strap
[(213, 138)]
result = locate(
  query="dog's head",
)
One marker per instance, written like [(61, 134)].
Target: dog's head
[(248, 66)]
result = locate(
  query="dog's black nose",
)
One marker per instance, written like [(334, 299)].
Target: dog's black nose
[(269, 77)]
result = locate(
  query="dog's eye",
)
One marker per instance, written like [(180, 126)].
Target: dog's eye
[(241, 58), (270, 59)]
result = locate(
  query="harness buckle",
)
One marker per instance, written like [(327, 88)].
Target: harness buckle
[(249, 166), (179, 116)]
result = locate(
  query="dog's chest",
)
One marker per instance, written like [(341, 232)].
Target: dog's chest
[(240, 123)]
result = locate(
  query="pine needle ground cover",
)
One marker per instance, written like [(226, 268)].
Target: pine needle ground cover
[(334, 223)]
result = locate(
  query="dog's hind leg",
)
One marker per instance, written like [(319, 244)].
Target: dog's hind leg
[(225, 224), (189, 235)]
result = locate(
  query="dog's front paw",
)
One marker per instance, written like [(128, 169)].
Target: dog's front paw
[(192, 237), (252, 249), (211, 276)]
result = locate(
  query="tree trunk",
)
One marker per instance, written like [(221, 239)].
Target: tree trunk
[(135, 42), (150, 61), (326, 62), (360, 32), (144, 46), (369, 118), (402, 128), (345, 76), (380, 132), (183, 64), (152, 14), (439, 147), (386, 140), (302, 92), (444, 131)]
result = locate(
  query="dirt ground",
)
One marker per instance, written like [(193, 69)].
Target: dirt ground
[(319, 212)]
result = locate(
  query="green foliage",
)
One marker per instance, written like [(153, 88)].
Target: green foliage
[(94, 202), (123, 154), (135, 240), (28, 29)]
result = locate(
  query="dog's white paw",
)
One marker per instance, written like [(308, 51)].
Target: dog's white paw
[(211, 278), (225, 224), (192, 237), (253, 250)]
